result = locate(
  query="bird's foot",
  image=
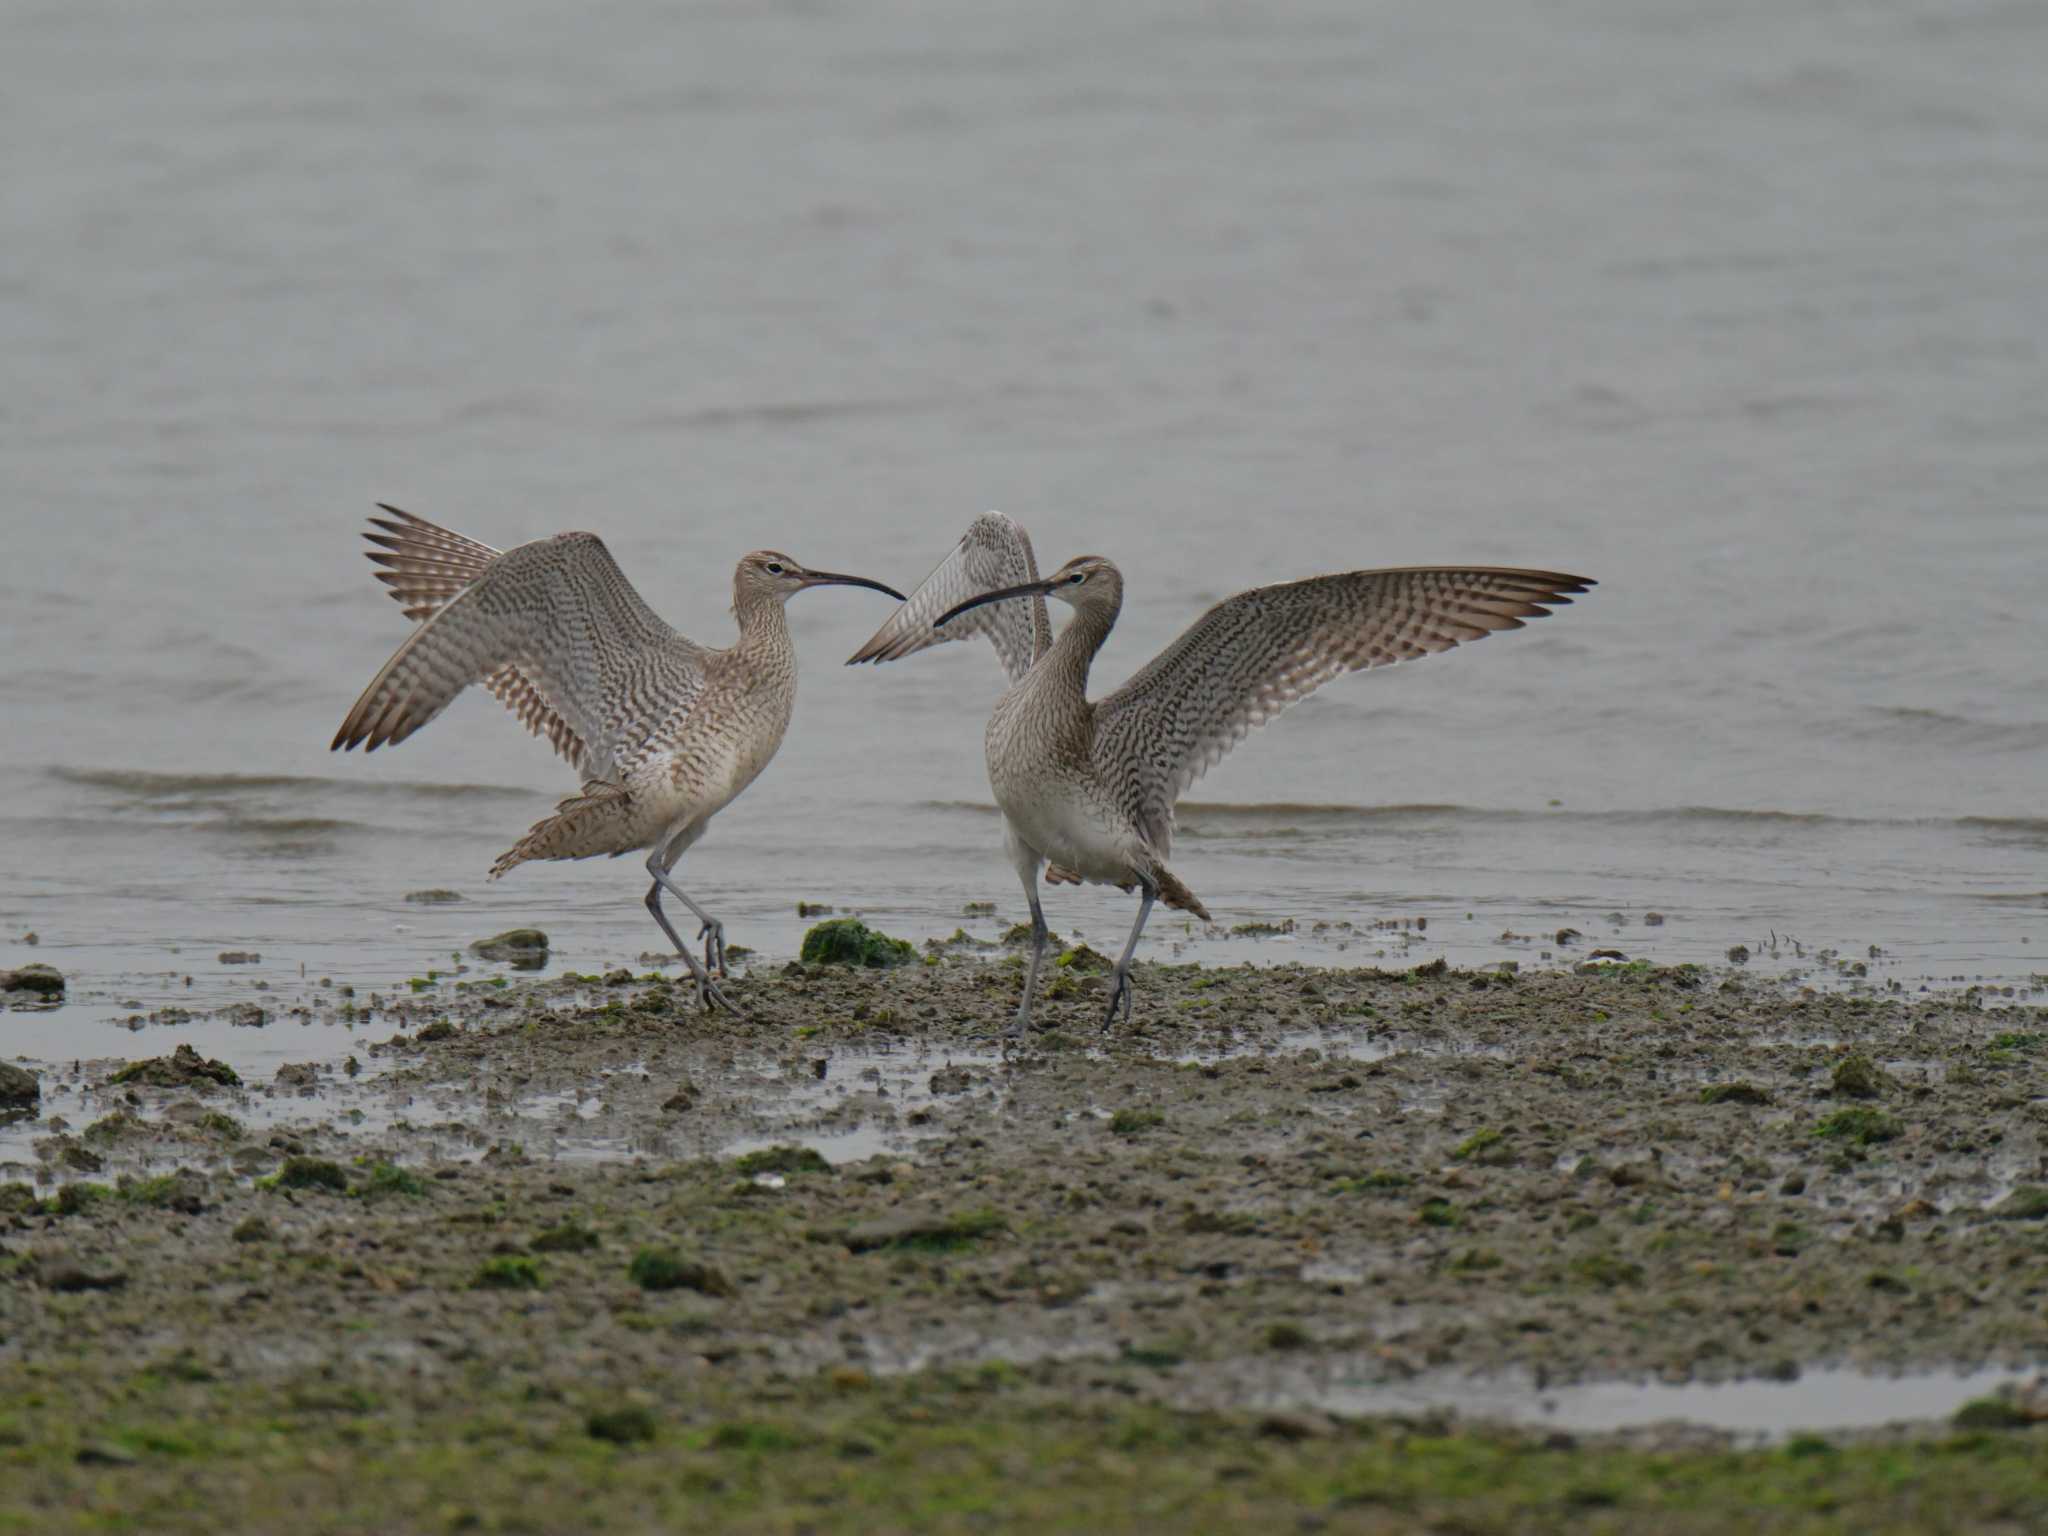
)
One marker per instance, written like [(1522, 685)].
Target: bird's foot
[(1119, 997), (713, 935), (708, 994)]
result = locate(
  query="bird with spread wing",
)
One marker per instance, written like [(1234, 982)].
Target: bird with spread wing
[(1087, 788), (662, 732)]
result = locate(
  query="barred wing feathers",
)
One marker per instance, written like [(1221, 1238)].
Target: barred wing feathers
[(1252, 655), (993, 553), (589, 662)]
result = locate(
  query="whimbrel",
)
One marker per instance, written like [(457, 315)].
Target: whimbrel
[(1087, 789), (663, 732)]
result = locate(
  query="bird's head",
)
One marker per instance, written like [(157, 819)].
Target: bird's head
[(771, 575), (1087, 583)]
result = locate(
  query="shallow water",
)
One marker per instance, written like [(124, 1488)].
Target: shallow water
[(1736, 310), (1828, 1398)]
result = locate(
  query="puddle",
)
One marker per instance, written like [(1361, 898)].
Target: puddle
[(851, 1105), (1338, 1045), (1819, 1400)]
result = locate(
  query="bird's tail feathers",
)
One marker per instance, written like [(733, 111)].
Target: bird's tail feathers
[(597, 819)]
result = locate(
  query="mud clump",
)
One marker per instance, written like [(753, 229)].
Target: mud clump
[(849, 941), (183, 1192), (1083, 961), (783, 1160), (524, 949), (1734, 1093), (434, 898), (2029, 1202), (630, 1425), (664, 1269), (44, 981), (19, 1088), (927, 1231), (183, 1068), (312, 1173), (1858, 1077)]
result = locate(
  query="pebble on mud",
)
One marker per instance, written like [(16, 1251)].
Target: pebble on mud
[(239, 957), (434, 898), (524, 949), (43, 980)]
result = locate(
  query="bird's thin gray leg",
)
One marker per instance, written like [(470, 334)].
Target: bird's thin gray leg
[(711, 931), (1027, 862), (1120, 981), (707, 990), (1022, 1021)]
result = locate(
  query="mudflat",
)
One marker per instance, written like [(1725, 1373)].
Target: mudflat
[(1297, 1249)]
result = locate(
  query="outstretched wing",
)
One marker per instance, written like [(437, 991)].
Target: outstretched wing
[(993, 553), (1254, 654), (423, 563), (425, 566), (560, 612)]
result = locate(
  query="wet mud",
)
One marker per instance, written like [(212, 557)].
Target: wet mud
[(1599, 1203)]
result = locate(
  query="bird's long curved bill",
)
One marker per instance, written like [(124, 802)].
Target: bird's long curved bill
[(834, 579), (1029, 589)]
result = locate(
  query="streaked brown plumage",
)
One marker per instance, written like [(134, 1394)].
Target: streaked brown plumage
[(1087, 789), (662, 731)]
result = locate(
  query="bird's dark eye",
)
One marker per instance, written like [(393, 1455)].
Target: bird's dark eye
[(1078, 577), (774, 567)]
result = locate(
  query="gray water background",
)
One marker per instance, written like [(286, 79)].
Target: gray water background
[(1739, 309)]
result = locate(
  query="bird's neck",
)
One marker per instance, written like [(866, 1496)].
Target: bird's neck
[(1074, 651), (764, 628)]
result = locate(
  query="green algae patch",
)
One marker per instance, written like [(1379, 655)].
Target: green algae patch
[(1135, 1122), (77, 1199), (1487, 1146), (1606, 1271), (568, 1237), (183, 1068), (1992, 1413), (1438, 1213), (1859, 1126), (524, 949), (665, 1269), (507, 1272), (310, 1173), (921, 1232), (849, 941), (630, 1425), (1083, 961), (44, 981), (1734, 1093), (2027, 1202), (181, 1191), (783, 1160), (386, 1179), (1018, 936), (1858, 1077)]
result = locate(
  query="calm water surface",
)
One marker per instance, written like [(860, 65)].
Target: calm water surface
[(1738, 310)]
